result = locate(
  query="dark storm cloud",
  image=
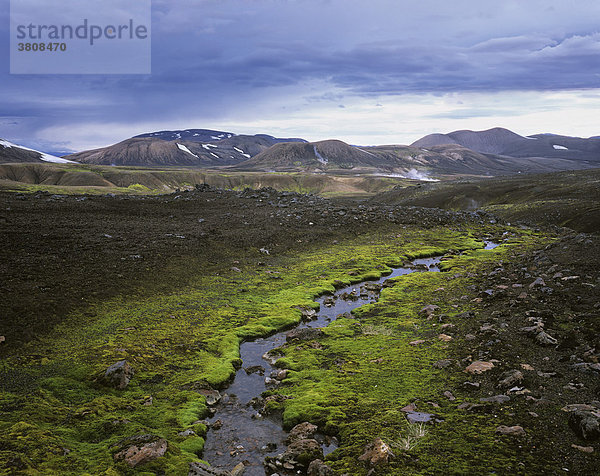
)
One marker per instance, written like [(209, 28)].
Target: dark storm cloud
[(210, 57)]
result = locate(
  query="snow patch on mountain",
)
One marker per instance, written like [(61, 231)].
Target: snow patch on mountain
[(559, 147), (242, 152), (185, 149), (43, 156), (319, 157)]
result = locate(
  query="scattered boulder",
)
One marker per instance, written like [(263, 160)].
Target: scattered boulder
[(496, 399), (308, 313), (280, 374), (297, 457), (417, 342), (238, 470), (119, 374), (510, 379), (318, 468), (535, 329), (583, 449), (411, 407), (429, 310), (302, 450), (140, 449), (541, 336), (585, 423), (421, 417), (376, 453), (539, 282), (201, 469), (302, 431), (510, 430), (442, 364), (470, 406), (578, 406), (478, 367), (212, 396), (255, 369), (545, 339), (307, 333)]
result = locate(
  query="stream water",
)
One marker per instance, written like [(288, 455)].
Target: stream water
[(241, 434)]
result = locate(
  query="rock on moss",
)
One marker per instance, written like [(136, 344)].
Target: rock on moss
[(119, 374), (376, 453), (510, 430), (140, 449), (318, 468)]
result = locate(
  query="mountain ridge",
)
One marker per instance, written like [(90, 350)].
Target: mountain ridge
[(188, 147), (495, 151), (504, 142)]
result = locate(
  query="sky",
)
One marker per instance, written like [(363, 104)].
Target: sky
[(366, 72)]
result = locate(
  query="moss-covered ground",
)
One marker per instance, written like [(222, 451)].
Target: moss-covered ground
[(365, 371), (181, 314), (59, 416)]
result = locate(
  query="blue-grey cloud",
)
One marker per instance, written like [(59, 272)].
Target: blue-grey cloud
[(211, 57)]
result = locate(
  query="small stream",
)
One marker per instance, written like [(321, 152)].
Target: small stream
[(238, 432)]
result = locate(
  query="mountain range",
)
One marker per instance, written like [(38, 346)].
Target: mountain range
[(190, 147), (504, 142), (495, 151)]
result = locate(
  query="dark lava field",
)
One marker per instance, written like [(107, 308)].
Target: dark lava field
[(121, 319)]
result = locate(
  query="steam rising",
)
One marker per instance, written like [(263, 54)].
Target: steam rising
[(412, 174), (416, 175)]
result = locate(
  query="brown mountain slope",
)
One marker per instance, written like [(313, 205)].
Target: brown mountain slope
[(152, 152), (504, 142), (318, 156)]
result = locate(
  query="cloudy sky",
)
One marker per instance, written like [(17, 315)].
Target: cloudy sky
[(367, 72)]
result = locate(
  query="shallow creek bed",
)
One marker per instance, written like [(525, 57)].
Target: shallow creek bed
[(239, 432)]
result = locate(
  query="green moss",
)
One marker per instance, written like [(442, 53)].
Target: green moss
[(190, 339), (365, 370), (138, 187), (193, 445), (191, 411)]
